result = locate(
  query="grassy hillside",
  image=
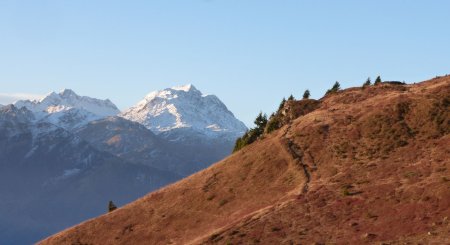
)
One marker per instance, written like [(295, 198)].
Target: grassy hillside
[(360, 166)]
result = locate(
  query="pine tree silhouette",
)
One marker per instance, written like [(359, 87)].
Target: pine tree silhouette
[(111, 206), (306, 94), (367, 83), (377, 81)]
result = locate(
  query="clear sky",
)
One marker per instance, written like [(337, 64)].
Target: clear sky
[(248, 53)]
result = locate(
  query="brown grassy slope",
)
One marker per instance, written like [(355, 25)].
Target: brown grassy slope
[(376, 164), (380, 171), (220, 195)]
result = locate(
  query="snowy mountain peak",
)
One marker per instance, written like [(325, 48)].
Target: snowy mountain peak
[(69, 110), (185, 88), (172, 93), (68, 99), (184, 107), (67, 93)]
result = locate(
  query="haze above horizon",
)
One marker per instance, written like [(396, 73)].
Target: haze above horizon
[(250, 54)]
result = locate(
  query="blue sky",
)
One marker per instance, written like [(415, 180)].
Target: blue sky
[(249, 53)]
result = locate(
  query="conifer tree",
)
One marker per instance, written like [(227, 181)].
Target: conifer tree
[(336, 87), (377, 81), (111, 206), (306, 94), (291, 97), (367, 83), (261, 120)]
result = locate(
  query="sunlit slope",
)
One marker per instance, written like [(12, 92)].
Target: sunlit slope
[(367, 165)]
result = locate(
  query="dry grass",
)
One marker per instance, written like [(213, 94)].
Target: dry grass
[(379, 164)]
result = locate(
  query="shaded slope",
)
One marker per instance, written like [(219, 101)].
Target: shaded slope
[(367, 165), (202, 201), (181, 152), (134, 143), (50, 179)]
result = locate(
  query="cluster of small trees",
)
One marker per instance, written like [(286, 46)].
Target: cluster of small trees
[(336, 87), (262, 124), (253, 134), (368, 82), (268, 125)]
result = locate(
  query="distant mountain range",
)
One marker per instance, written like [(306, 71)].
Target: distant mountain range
[(62, 158)]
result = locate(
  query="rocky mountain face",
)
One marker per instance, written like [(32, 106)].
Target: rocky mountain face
[(362, 166), (198, 127), (50, 178), (137, 144), (185, 107)]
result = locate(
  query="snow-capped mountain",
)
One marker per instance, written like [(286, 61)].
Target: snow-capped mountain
[(69, 110), (185, 107)]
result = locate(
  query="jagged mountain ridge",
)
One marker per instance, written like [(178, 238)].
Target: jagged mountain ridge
[(366, 166), (187, 120), (69, 110), (202, 124), (174, 108), (16, 115), (185, 107), (67, 98)]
